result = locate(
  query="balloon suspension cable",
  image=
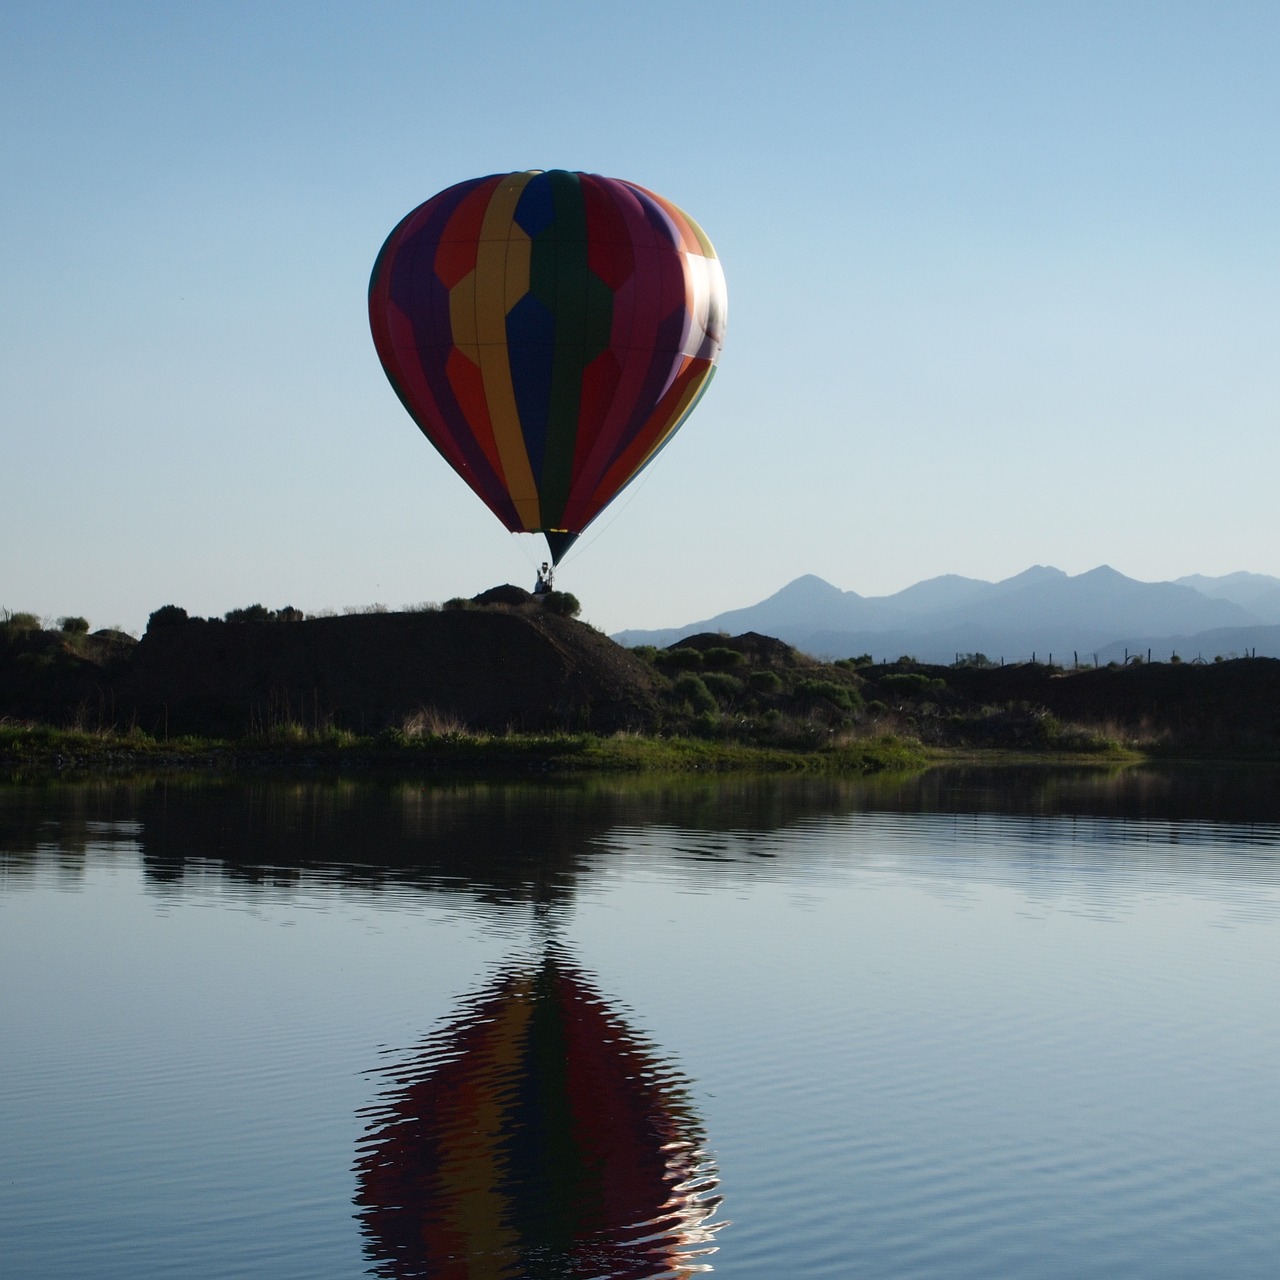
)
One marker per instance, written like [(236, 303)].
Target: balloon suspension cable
[(633, 491)]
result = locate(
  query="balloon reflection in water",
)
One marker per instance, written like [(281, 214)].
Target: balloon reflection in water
[(537, 1136)]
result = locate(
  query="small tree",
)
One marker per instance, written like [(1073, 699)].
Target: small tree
[(73, 626)]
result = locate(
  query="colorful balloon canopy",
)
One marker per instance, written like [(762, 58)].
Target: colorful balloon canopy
[(538, 1136), (549, 333)]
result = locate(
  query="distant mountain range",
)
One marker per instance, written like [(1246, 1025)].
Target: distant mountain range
[(1043, 611)]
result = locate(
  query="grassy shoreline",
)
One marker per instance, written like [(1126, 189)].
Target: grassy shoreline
[(33, 751), (37, 750)]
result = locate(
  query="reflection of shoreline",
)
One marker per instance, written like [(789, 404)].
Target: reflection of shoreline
[(507, 846), (536, 1136)]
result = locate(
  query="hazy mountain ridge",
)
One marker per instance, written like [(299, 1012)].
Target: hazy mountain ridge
[(1040, 611)]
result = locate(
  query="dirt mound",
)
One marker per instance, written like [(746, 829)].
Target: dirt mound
[(508, 665), (485, 668), (506, 594), (757, 649)]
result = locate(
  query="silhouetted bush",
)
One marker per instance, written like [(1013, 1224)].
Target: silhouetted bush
[(250, 613), (74, 626), (765, 681), (167, 615), (562, 603)]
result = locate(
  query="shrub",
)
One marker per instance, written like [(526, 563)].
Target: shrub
[(909, 684), (74, 626), (724, 687), (862, 660), (684, 658), (690, 688), (646, 652), (722, 656), (289, 614), (706, 724), (167, 615), (19, 621), (837, 694), (765, 681), (563, 604), (250, 613), (458, 604)]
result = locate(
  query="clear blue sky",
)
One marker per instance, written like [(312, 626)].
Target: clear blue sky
[(1004, 286)]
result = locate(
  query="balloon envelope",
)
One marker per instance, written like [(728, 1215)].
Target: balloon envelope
[(549, 333)]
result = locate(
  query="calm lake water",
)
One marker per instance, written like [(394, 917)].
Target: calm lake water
[(970, 1024)]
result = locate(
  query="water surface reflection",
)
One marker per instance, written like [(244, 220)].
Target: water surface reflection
[(507, 844)]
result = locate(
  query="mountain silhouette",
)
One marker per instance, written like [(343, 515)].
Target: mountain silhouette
[(1041, 611)]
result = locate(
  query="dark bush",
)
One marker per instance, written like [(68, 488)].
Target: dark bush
[(74, 626), (562, 603), (724, 687), (250, 613), (19, 621), (837, 694), (765, 681), (458, 604), (646, 652), (167, 615), (707, 724), (681, 659), (721, 656), (691, 689), (289, 614), (910, 684)]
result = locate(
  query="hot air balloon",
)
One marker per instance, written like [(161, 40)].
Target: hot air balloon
[(549, 332), (537, 1136)]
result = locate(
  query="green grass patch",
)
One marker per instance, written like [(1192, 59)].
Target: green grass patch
[(38, 749)]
